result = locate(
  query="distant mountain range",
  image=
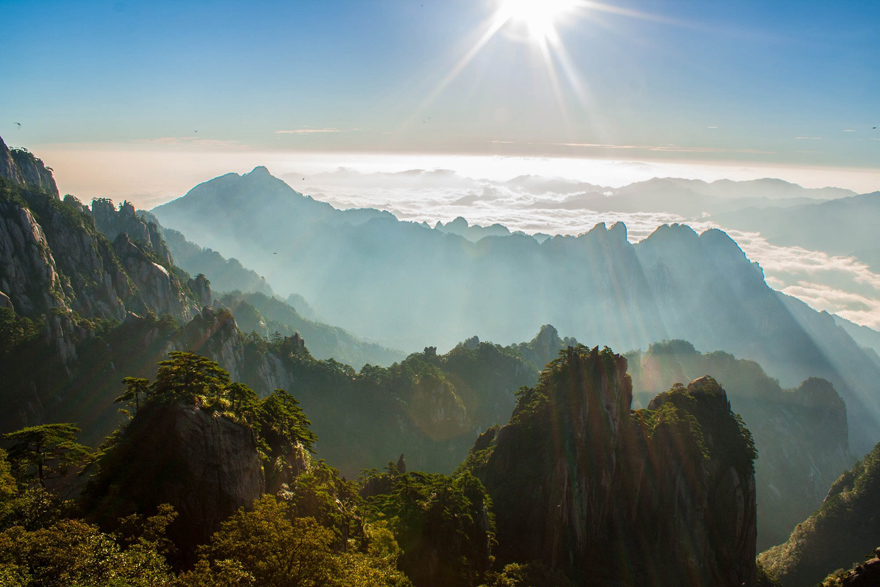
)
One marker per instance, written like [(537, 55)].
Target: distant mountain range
[(847, 226), (687, 198), (405, 284), (692, 198)]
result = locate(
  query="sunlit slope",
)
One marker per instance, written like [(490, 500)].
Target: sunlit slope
[(839, 534)]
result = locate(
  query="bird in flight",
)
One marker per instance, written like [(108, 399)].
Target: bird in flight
[(19, 125)]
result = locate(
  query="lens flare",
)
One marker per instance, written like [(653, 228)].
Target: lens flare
[(540, 17)]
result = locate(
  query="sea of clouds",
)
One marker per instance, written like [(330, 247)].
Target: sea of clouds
[(533, 204)]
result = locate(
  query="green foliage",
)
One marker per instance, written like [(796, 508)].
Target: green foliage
[(731, 440), (282, 423), (532, 574), (7, 481), (321, 494), (46, 451), (242, 399), (189, 378), (15, 330), (836, 536), (444, 526), (378, 565), (275, 548), (271, 547), (767, 578), (136, 389), (223, 573), (150, 532), (31, 508), (71, 552), (678, 423)]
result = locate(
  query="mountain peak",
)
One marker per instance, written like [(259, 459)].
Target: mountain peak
[(260, 171), (22, 168)]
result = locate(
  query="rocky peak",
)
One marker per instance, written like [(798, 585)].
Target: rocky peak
[(112, 222), (260, 171), (205, 465), (547, 342), (574, 490), (618, 231), (22, 168)]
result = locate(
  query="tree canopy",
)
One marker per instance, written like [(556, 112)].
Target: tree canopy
[(47, 451)]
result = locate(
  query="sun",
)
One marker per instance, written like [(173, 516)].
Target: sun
[(540, 17)]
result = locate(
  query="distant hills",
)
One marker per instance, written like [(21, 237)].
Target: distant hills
[(404, 284), (847, 226), (692, 198)]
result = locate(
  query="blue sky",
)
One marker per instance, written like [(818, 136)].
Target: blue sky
[(768, 82)]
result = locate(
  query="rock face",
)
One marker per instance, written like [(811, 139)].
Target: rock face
[(22, 168), (52, 256), (112, 222), (660, 497), (205, 465), (28, 275)]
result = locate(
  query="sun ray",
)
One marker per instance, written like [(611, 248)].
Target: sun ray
[(493, 28), (539, 19)]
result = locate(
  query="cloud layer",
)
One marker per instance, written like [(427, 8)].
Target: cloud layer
[(534, 204)]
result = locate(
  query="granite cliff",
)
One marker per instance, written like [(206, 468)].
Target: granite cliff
[(573, 489), (53, 256), (205, 465), (21, 168)]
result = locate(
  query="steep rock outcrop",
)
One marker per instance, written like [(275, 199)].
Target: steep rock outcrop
[(52, 256), (203, 464), (28, 274), (22, 168), (662, 497), (112, 222), (215, 334), (158, 291)]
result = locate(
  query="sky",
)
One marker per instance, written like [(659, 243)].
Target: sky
[(147, 98)]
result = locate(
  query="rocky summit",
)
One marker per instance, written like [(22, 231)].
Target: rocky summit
[(574, 473)]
